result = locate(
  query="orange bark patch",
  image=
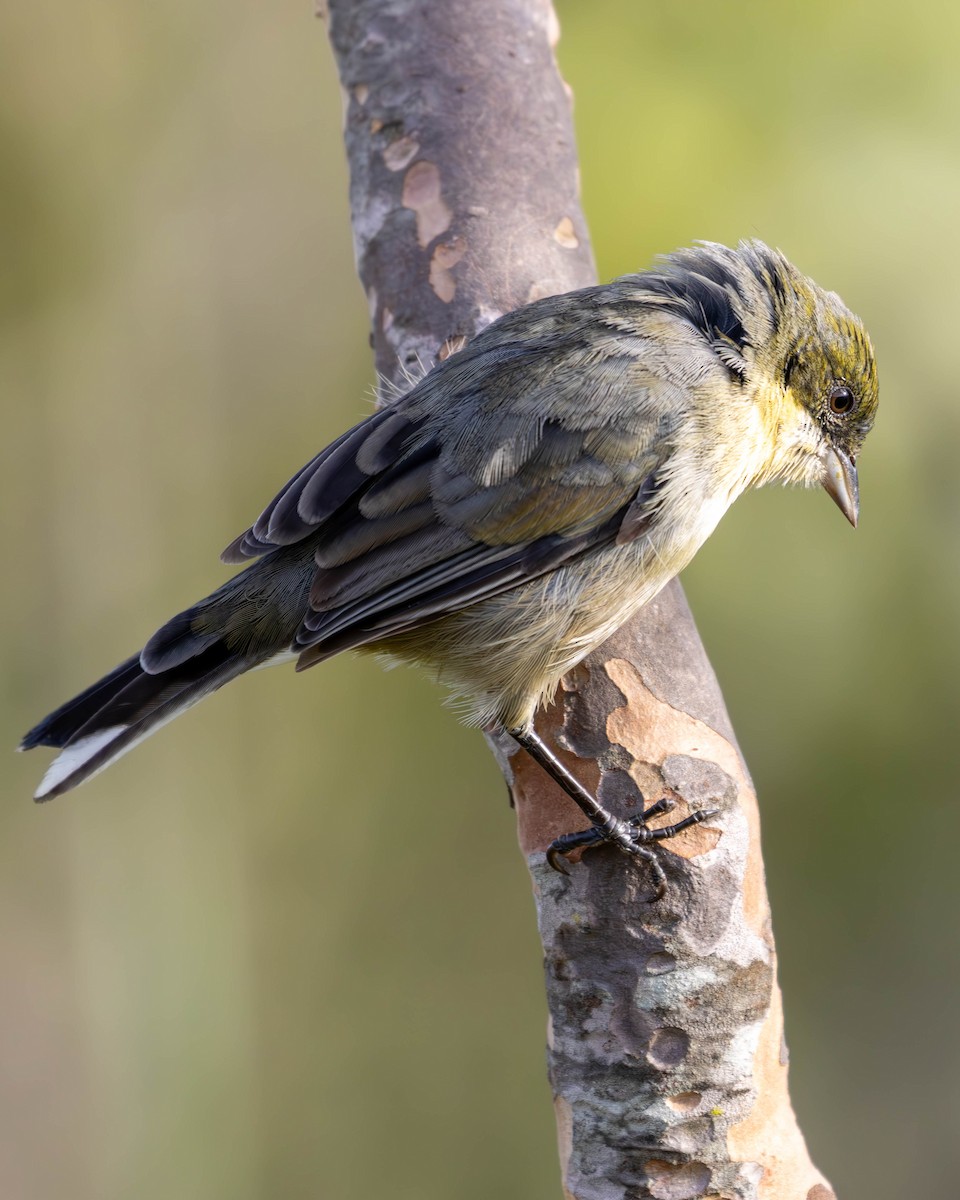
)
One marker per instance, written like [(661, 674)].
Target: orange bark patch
[(670, 1182), (565, 235), (421, 194), (685, 1102), (446, 255), (564, 1118), (400, 154), (769, 1135)]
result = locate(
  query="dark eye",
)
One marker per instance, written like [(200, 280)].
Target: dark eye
[(841, 399)]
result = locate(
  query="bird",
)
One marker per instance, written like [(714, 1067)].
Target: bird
[(517, 504)]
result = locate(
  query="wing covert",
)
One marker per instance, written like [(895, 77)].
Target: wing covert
[(505, 462)]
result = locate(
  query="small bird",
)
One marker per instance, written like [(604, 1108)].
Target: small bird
[(503, 517)]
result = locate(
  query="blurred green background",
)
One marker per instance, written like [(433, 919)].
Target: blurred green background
[(257, 958)]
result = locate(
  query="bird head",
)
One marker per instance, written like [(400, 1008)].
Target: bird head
[(821, 356), (800, 350)]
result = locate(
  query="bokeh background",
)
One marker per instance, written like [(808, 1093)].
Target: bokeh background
[(271, 954)]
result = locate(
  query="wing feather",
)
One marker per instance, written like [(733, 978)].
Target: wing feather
[(475, 574), (505, 462)]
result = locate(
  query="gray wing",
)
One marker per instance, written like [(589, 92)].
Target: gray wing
[(509, 460)]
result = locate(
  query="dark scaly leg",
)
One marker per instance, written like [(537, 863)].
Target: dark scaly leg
[(630, 836)]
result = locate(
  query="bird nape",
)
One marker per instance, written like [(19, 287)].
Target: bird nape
[(508, 513)]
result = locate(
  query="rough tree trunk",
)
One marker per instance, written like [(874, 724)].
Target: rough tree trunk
[(666, 1048)]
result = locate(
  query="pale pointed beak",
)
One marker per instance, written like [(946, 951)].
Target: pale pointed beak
[(840, 482)]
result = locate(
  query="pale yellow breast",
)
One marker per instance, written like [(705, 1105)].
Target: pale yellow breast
[(505, 656)]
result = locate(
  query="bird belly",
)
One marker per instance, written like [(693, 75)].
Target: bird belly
[(503, 657)]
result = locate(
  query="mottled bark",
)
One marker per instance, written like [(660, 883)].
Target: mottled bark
[(666, 1048)]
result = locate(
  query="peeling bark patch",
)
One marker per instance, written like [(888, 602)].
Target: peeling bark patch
[(690, 1137), (564, 1131), (668, 1182), (588, 698), (421, 194), (445, 256), (400, 154), (684, 1102), (776, 1145), (700, 783), (664, 725), (565, 235), (360, 93), (673, 665), (668, 1047), (660, 962)]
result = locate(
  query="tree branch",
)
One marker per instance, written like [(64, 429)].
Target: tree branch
[(666, 1051)]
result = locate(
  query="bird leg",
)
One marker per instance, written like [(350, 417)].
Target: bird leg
[(630, 836)]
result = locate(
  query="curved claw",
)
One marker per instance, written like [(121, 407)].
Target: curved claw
[(557, 859), (559, 849)]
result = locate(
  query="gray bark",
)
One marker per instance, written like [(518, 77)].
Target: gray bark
[(665, 1041)]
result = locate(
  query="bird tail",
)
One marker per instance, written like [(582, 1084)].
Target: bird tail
[(245, 624), (118, 712)]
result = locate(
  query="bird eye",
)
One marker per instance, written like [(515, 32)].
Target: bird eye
[(841, 399)]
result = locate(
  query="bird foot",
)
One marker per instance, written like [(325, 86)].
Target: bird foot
[(632, 837)]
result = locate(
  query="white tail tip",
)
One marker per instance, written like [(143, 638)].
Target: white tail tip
[(70, 760)]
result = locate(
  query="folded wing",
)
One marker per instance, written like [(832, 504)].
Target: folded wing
[(511, 459)]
